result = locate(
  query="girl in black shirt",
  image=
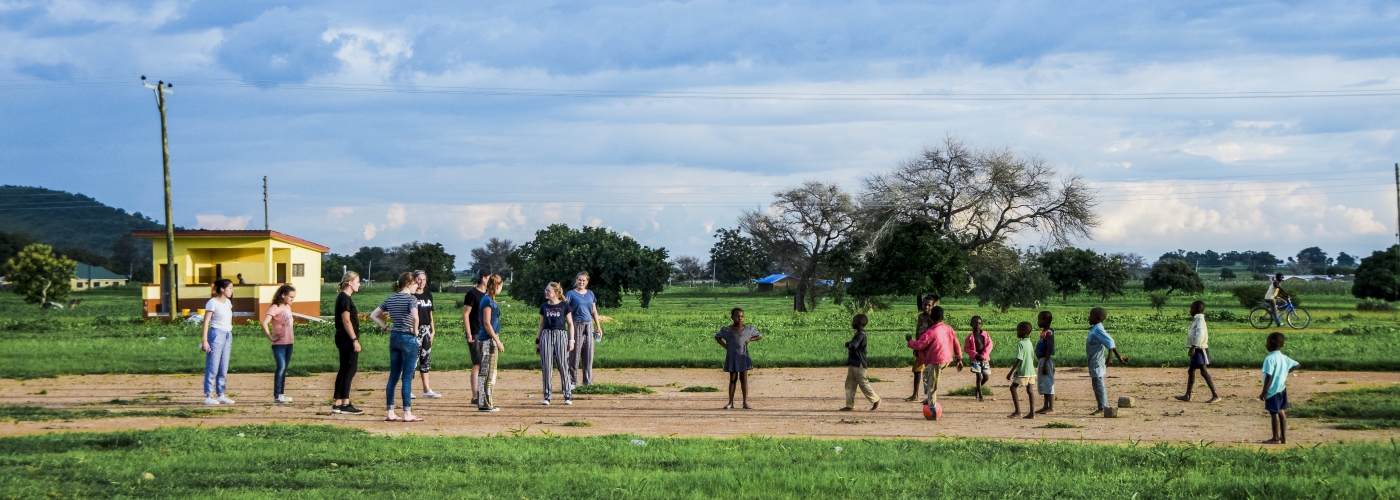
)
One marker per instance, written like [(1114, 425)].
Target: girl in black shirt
[(347, 341), (555, 341)]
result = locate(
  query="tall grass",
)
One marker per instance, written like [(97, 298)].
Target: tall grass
[(331, 462)]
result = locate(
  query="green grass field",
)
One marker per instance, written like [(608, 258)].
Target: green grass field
[(102, 335), (1360, 408), (332, 462)]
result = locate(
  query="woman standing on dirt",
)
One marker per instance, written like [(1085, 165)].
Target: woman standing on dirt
[(555, 341), (583, 305), (1198, 350), (427, 330), (347, 342), (217, 342), (491, 347), (402, 309), (279, 315), (735, 339)]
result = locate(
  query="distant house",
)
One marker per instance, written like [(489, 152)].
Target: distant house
[(775, 282), (265, 259), (90, 277)]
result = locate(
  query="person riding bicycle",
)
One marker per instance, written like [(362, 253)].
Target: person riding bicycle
[(1275, 296)]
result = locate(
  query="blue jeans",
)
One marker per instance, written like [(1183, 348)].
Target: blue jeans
[(1100, 391), (216, 361), (282, 355), (403, 356)]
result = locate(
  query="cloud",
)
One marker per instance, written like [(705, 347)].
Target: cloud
[(223, 221), (279, 45), (397, 216), (369, 231), (338, 212), (474, 220)]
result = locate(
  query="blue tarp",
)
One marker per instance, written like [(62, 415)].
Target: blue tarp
[(771, 279)]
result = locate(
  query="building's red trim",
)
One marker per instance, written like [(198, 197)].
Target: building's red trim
[(196, 233)]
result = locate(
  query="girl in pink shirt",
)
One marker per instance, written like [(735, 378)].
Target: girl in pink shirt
[(978, 347), (279, 316)]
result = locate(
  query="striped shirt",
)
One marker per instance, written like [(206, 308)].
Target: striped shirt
[(401, 308)]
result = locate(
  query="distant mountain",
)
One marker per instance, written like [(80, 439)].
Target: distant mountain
[(76, 225)]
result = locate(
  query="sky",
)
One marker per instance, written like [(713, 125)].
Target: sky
[(1202, 125)]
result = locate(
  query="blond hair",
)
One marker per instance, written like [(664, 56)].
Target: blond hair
[(558, 290), (345, 280), (491, 284)]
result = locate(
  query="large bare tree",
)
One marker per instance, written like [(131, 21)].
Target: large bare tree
[(801, 229), (979, 197)]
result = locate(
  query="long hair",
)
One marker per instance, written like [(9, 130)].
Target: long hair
[(281, 296), (220, 285), (492, 284), (558, 290), (405, 279), (345, 280)]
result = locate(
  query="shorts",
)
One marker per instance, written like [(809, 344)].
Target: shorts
[(983, 367), (475, 348), (1277, 402), (1200, 358), (1026, 381), (918, 367)]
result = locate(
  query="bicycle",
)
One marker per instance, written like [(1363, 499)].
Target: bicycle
[(1297, 318)]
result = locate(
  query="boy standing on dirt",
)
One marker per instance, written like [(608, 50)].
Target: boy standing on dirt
[(922, 324), (1023, 371), (1277, 366), (855, 369), (935, 348)]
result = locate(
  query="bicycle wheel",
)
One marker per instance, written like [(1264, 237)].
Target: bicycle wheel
[(1299, 319), (1260, 318)]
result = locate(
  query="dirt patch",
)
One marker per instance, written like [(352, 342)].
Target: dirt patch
[(787, 402)]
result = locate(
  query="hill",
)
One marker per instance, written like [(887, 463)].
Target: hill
[(76, 225)]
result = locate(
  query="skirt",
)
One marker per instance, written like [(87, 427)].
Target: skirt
[(737, 363), (1200, 358)]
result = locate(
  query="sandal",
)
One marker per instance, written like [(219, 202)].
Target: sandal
[(729, 406), (393, 419), (414, 419), (747, 407)]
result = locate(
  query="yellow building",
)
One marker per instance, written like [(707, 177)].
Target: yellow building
[(258, 262)]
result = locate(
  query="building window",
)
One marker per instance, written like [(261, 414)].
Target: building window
[(298, 270)]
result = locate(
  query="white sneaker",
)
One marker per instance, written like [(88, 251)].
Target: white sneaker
[(431, 395), (545, 402), (224, 400), (282, 399), (568, 401), (211, 401), (412, 395)]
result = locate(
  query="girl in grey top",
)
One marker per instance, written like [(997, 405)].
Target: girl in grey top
[(735, 339)]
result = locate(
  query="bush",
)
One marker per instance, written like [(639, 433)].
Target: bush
[(1355, 330), (1224, 315), (1249, 295), (1158, 300), (1227, 273), (1374, 305)]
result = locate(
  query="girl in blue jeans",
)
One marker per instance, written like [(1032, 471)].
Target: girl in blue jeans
[(217, 342), (279, 316), (401, 308)]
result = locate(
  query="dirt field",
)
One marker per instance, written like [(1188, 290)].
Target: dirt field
[(787, 402)]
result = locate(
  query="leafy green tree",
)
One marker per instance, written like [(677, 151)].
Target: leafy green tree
[(492, 257), (1069, 269), (1263, 262), (1108, 278), (1344, 260), (432, 258), (737, 258), (1227, 273), (80, 254), (913, 259), (1172, 275), (1378, 276), (1008, 278), (801, 229), (10, 245), (40, 275), (1313, 260), (615, 264), (131, 259), (334, 263)]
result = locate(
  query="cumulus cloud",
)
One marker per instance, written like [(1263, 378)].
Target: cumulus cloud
[(338, 212), (369, 231), (397, 216), (223, 221)]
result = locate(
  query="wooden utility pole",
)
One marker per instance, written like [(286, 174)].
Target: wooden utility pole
[(170, 290), (266, 227)]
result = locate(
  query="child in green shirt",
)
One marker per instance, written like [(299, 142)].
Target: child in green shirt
[(1023, 370)]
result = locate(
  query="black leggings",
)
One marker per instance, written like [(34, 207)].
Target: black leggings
[(349, 363)]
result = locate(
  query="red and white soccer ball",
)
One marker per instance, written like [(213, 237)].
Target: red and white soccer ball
[(933, 413)]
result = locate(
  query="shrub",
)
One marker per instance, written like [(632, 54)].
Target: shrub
[(700, 388), (970, 391), (1249, 295), (1364, 330), (1223, 315), (1158, 300), (1374, 305), (1227, 273), (611, 389)]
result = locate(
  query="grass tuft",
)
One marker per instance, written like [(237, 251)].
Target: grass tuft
[(42, 414), (1364, 407), (875, 379), (970, 391), (577, 423), (700, 388), (1059, 425), (612, 389)]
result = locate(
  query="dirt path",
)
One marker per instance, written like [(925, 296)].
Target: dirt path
[(787, 401)]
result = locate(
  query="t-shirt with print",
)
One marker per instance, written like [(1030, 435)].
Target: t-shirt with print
[(1277, 364), (220, 314), (581, 304), (344, 304), (495, 319), (1025, 353), (555, 315), (425, 308), (473, 300)]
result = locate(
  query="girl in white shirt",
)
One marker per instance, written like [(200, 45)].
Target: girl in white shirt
[(217, 342), (1198, 349)]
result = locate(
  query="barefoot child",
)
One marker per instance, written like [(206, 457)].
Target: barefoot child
[(979, 347), (1277, 366), (1096, 349), (1198, 351), (923, 323), (735, 340), (1023, 371), (855, 367), (1045, 363), (936, 348)]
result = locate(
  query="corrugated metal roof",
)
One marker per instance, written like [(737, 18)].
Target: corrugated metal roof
[(86, 272), (771, 279)]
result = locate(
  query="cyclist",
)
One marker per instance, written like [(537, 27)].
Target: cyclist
[(1275, 297)]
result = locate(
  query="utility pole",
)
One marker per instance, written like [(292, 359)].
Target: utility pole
[(170, 290), (266, 227)]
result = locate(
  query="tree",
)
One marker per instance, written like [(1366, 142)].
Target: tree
[(690, 268), (1312, 260), (912, 259), (80, 254), (979, 197), (1262, 262), (1378, 276), (1344, 260), (1227, 273), (131, 260), (1069, 269), (371, 260), (10, 245), (801, 229), (334, 264), (1006, 277), (1132, 263), (492, 257), (39, 275), (1172, 275), (616, 264), (433, 259), (737, 258), (1108, 277)]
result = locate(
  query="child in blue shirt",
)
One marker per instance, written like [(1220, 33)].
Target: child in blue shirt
[(1096, 349), (1277, 366)]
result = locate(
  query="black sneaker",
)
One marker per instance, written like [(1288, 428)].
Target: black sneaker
[(336, 409), (350, 409)]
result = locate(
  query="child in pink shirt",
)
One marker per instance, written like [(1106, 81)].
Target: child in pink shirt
[(978, 347), (935, 349)]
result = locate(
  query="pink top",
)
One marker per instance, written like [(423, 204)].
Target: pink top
[(970, 346), (282, 328), (936, 346)]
